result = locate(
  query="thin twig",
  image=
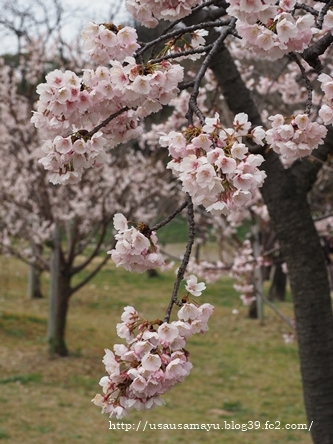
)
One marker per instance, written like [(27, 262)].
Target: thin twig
[(175, 55), (176, 22), (307, 9), (193, 107), (277, 311), (170, 217), (185, 260), (323, 217), (185, 85), (106, 121), (179, 32), (322, 14), (308, 85)]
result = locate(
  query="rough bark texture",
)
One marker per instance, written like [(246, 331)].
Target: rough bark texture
[(60, 347), (285, 193), (60, 292), (300, 245)]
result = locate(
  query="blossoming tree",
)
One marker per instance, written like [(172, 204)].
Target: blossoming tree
[(219, 162), (40, 221)]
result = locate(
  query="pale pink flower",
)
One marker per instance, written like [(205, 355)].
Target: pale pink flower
[(111, 364), (326, 113), (198, 38), (227, 164), (139, 384), (140, 85), (188, 312), (286, 29), (193, 287), (129, 315), (151, 362), (328, 21), (167, 332), (202, 141), (239, 150), (241, 124), (212, 124)]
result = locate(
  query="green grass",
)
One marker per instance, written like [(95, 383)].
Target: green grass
[(174, 232), (242, 371)]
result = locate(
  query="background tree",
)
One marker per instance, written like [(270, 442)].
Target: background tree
[(135, 88), (32, 211)]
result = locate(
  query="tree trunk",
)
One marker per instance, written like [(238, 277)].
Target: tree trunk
[(285, 194), (60, 347), (34, 291), (279, 282), (56, 340), (60, 292), (253, 310), (301, 248)]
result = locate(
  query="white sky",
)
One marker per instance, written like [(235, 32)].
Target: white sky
[(97, 10), (77, 13), (93, 10)]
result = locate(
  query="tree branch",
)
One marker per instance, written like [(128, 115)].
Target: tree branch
[(185, 260), (91, 275), (311, 54), (169, 218)]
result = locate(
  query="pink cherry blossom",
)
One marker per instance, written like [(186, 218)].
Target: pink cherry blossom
[(151, 363), (194, 287), (135, 251), (295, 139), (212, 175)]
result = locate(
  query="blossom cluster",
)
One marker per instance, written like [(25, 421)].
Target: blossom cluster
[(105, 42), (326, 110), (209, 271), (214, 165), (271, 30), (152, 362), (68, 104), (148, 12), (296, 137), (243, 270), (136, 249), (67, 157)]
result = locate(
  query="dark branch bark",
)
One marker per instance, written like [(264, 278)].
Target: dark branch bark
[(285, 194), (311, 54), (90, 275)]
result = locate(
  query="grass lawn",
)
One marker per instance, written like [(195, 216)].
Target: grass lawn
[(242, 371)]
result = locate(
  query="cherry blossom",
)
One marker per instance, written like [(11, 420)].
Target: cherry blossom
[(270, 30), (194, 287), (82, 115), (295, 137), (148, 12), (326, 110), (213, 164), (105, 42), (151, 363), (243, 270), (136, 249), (68, 102)]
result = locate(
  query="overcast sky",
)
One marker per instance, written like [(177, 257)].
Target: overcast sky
[(77, 13), (96, 10)]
